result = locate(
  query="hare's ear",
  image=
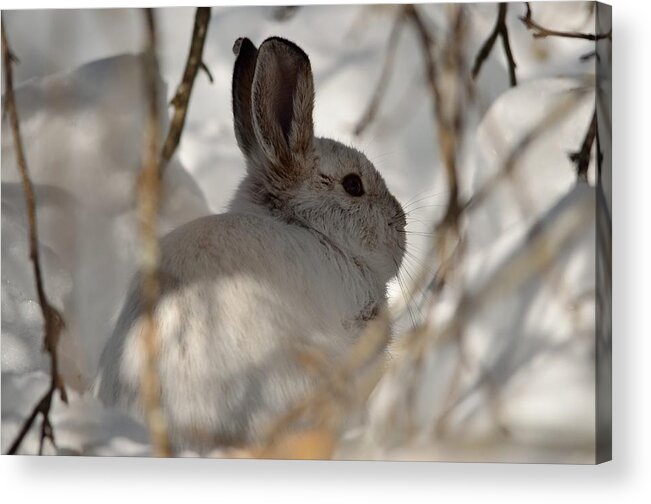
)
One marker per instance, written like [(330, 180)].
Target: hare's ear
[(243, 72), (283, 100)]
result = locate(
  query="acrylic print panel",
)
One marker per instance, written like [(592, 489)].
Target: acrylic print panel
[(334, 232)]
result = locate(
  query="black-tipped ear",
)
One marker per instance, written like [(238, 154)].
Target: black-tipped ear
[(283, 100), (243, 74)]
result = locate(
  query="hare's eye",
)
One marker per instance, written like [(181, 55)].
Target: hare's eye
[(353, 185)]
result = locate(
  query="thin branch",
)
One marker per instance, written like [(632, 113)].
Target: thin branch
[(542, 32), (588, 56), (509, 53), (446, 136), (149, 192), (445, 128), (182, 95), (205, 68), (53, 321), (500, 30), (374, 104), (448, 96), (447, 110), (582, 157)]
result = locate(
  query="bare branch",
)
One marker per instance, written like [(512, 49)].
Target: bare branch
[(374, 104), (588, 56), (53, 321), (582, 157), (546, 240), (149, 191), (447, 110), (542, 32), (500, 30), (446, 129), (182, 95)]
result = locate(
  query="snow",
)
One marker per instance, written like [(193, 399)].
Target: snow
[(81, 112)]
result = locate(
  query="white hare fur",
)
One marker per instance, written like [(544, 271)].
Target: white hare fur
[(299, 262)]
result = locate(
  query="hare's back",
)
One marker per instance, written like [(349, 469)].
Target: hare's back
[(235, 244), (238, 266)]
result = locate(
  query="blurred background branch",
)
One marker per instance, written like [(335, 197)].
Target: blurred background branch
[(374, 104), (447, 88), (566, 104), (149, 193)]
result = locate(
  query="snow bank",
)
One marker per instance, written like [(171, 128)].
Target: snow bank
[(82, 132)]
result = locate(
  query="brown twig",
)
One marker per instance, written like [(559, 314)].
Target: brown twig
[(374, 104), (588, 56), (206, 70), (182, 95), (502, 31), (542, 32), (581, 158), (149, 192), (53, 321)]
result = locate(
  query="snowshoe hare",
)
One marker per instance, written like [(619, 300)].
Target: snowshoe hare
[(301, 260)]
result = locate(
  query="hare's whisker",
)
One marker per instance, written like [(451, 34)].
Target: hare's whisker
[(404, 294)]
